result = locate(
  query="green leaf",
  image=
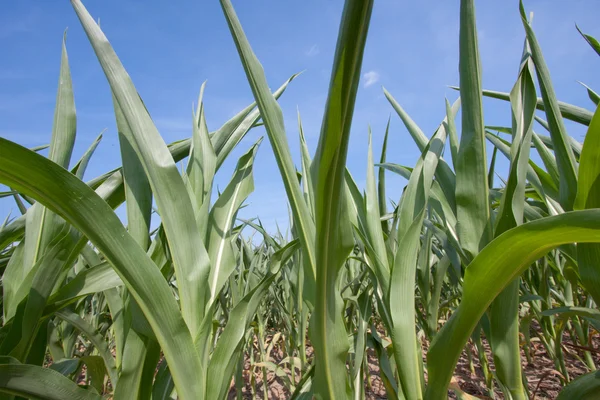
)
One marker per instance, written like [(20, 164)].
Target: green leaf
[(588, 196), (201, 167), (95, 371), (565, 159), (568, 111), (233, 131), (273, 121), (547, 140), (439, 275), (594, 97), (401, 298), (177, 215), (373, 231), (163, 383), (444, 174), (504, 312), (130, 346), (437, 196), (42, 226), (334, 238), (490, 272), (538, 178), (221, 220), (39, 383), (547, 158), (96, 279), (224, 140), (39, 284), (381, 181), (472, 204), (65, 121), (451, 128), (229, 347), (66, 366), (307, 183), (134, 378), (75, 201), (81, 165), (12, 232), (138, 194), (570, 311), (591, 41), (93, 336), (12, 280), (20, 205), (586, 387)]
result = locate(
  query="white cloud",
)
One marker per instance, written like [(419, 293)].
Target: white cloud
[(370, 78), (313, 51)]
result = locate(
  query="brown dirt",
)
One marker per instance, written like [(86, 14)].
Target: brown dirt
[(543, 379)]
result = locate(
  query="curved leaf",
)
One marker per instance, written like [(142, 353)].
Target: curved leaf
[(177, 215), (401, 298), (221, 220), (97, 340), (588, 196), (39, 383), (472, 189), (565, 159), (444, 174), (72, 199), (568, 111), (334, 238), (229, 347), (273, 121), (586, 387), (490, 272), (592, 41)]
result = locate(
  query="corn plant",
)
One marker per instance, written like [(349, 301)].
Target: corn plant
[(95, 307)]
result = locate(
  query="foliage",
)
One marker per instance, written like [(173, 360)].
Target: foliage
[(93, 307)]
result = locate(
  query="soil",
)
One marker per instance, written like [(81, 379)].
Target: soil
[(543, 380)]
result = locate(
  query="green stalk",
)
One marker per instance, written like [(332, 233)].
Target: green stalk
[(334, 239)]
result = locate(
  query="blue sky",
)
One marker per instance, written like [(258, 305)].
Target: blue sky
[(170, 48)]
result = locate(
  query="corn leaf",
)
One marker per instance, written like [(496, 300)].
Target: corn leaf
[(187, 249), (221, 220), (490, 272), (42, 226), (273, 121), (401, 303), (594, 97), (381, 181), (41, 383), (229, 347), (64, 194), (586, 387), (444, 173), (374, 231), (591, 41), (94, 337), (565, 158), (81, 165), (588, 197), (568, 111), (504, 312), (334, 239), (472, 204)]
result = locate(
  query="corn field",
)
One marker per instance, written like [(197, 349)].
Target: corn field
[(458, 268)]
